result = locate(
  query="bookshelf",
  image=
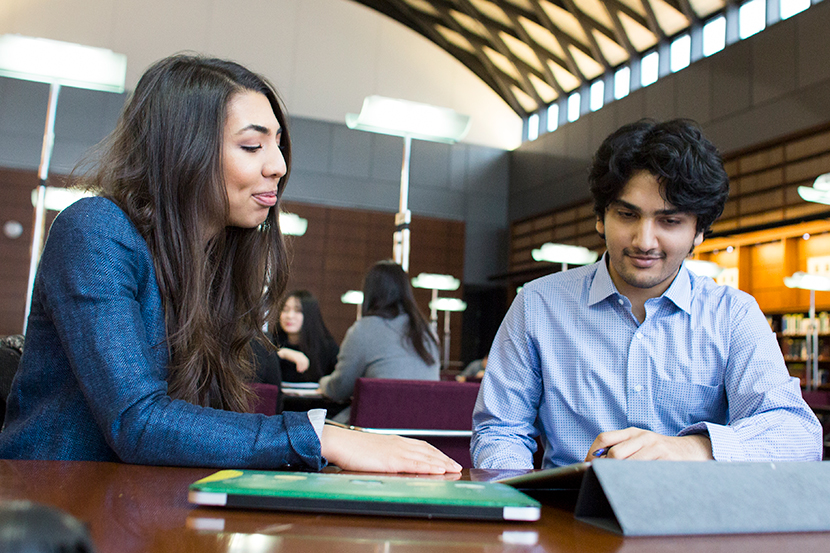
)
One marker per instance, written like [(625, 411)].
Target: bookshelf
[(794, 337)]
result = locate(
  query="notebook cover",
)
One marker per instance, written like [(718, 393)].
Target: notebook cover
[(363, 494), (568, 477)]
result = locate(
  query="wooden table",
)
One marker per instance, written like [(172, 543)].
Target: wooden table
[(135, 509)]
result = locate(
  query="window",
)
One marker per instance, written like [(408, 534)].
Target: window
[(573, 106), (553, 117), (533, 127), (650, 68), (752, 18), (597, 95), (681, 53), (791, 7), (714, 35), (622, 83)]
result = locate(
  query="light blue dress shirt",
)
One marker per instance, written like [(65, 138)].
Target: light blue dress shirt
[(571, 361)]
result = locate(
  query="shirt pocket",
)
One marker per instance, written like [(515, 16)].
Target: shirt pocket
[(682, 404)]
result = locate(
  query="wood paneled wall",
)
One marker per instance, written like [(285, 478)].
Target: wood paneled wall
[(331, 258)]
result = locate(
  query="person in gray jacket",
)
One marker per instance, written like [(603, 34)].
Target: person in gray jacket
[(392, 339)]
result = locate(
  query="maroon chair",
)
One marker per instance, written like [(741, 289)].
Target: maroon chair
[(439, 412), (268, 399)]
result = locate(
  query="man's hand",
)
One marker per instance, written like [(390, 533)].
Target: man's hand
[(361, 451), (636, 443), (297, 357)]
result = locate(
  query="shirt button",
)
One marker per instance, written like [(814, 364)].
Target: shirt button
[(639, 335), (638, 388), (620, 301)]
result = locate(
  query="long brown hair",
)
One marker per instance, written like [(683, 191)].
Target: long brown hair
[(387, 293), (163, 166)]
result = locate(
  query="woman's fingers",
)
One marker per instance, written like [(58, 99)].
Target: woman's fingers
[(362, 451)]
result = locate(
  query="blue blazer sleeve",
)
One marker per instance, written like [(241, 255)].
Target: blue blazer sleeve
[(97, 293)]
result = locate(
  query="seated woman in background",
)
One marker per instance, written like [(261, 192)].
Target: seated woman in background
[(391, 340), (307, 351), (147, 298)]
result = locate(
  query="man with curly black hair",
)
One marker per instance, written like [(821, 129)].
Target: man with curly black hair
[(635, 357)]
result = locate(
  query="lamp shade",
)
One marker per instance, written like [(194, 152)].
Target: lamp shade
[(58, 199), (704, 268), (448, 304), (819, 192), (352, 297), (564, 253), (405, 118), (293, 224), (64, 63), (433, 281), (807, 281)]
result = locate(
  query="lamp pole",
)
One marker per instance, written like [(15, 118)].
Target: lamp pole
[(400, 239), (39, 227)]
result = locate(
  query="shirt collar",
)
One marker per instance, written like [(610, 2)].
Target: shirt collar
[(679, 292)]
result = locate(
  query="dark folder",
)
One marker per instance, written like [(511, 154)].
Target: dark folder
[(650, 498), (364, 494)]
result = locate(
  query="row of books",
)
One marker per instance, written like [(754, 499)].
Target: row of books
[(799, 323)]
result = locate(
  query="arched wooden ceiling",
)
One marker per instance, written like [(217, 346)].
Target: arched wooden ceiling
[(533, 51)]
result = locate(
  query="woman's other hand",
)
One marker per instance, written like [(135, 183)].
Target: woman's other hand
[(297, 357), (362, 451)]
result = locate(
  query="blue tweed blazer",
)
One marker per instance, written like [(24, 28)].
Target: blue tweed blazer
[(91, 383)]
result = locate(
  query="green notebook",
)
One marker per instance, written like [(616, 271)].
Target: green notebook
[(363, 494)]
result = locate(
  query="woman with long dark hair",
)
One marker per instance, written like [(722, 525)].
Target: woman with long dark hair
[(391, 340), (307, 351), (148, 297)]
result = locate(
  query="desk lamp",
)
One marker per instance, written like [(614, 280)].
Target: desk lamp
[(58, 64), (447, 305), (564, 254), (409, 120), (810, 282), (353, 297), (434, 282)]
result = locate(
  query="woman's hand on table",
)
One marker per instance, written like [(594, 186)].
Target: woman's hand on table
[(362, 451)]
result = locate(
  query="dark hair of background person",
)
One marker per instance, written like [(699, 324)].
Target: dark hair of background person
[(27, 527), (314, 335), (163, 167), (387, 293), (688, 167)]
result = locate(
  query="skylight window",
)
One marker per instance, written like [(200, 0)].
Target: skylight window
[(650, 68), (681, 53), (553, 117), (622, 83), (597, 94), (533, 127), (752, 18), (573, 106), (714, 35), (791, 7)]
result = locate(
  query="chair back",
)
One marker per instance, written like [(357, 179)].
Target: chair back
[(268, 400), (11, 348), (418, 404)]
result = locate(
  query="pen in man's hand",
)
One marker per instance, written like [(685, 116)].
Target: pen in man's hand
[(601, 451)]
